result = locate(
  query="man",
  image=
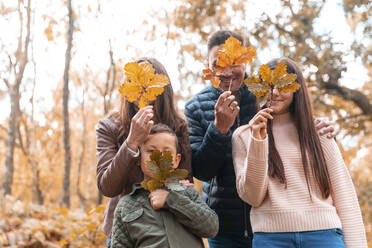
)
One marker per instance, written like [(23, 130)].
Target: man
[(213, 115)]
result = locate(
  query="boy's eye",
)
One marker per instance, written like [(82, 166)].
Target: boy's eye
[(149, 150)]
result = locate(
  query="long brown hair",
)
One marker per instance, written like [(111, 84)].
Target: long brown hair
[(164, 112), (311, 151)]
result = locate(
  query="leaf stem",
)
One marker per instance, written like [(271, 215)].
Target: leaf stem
[(271, 95), (230, 84)]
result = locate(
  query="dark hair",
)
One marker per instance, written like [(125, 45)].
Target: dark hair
[(162, 128), (164, 112), (219, 37), (311, 150)]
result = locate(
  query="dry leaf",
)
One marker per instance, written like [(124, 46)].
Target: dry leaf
[(269, 79), (160, 168), (142, 83), (231, 53)]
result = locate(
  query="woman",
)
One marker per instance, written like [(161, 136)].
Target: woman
[(119, 136), (297, 183)]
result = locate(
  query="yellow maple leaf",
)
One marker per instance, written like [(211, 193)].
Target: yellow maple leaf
[(160, 168), (269, 79), (142, 83)]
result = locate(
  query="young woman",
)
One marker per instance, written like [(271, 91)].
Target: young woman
[(120, 134), (296, 181)]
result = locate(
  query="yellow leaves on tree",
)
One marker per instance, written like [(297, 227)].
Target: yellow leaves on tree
[(142, 83), (160, 169), (231, 53), (269, 79)]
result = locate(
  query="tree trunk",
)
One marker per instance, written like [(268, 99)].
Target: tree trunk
[(10, 141), (82, 153), (66, 136), (21, 62)]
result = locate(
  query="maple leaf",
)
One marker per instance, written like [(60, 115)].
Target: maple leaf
[(142, 84), (269, 79), (208, 75), (161, 172), (231, 53)]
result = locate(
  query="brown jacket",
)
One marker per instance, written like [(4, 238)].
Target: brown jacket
[(117, 169)]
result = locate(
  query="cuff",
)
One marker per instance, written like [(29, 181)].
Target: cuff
[(258, 149), (217, 136), (133, 153)]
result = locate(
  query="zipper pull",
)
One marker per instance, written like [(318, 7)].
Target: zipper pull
[(245, 233)]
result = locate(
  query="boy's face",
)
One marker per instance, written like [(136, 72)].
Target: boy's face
[(164, 142)]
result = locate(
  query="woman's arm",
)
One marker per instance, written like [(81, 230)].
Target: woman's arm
[(114, 165), (116, 168), (344, 196), (250, 158)]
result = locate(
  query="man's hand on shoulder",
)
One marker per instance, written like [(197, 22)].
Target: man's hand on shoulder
[(324, 127)]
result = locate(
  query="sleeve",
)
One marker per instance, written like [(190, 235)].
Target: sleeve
[(191, 211), (120, 236), (344, 196), (208, 147), (113, 165), (250, 157)]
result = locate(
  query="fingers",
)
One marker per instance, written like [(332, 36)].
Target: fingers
[(222, 98), (233, 105), (146, 117), (329, 130), (228, 101), (262, 116), (187, 183), (142, 111), (321, 123)]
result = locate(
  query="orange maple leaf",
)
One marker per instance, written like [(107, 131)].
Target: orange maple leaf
[(142, 83), (231, 53)]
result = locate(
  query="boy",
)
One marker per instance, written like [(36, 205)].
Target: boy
[(162, 218)]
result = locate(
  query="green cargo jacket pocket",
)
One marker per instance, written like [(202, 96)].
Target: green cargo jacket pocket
[(133, 215)]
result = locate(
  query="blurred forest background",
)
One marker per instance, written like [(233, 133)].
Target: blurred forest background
[(61, 63)]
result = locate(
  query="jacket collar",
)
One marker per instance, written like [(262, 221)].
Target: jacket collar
[(135, 187)]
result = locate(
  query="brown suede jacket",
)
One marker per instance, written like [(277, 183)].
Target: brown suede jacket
[(117, 168)]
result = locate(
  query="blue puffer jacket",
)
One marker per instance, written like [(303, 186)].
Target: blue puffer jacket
[(212, 160)]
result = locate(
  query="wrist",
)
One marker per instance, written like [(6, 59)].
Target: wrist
[(224, 131), (132, 145)]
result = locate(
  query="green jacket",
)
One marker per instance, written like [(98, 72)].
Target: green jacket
[(183, 221)]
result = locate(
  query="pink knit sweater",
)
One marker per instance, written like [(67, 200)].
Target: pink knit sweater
[(276, 209)]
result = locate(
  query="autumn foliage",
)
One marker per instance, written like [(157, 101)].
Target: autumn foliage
[(160, 169), (231, 53), (269, 79), (142, 83), (29, 225)]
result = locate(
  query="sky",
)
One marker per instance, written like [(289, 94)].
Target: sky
[(115, 22)]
